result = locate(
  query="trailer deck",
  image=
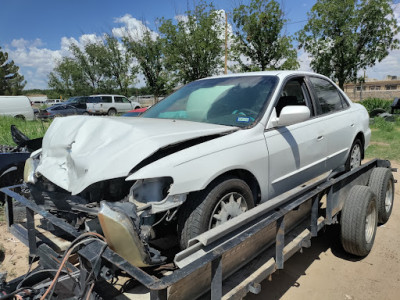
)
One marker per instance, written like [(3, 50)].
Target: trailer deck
[(226, 262)]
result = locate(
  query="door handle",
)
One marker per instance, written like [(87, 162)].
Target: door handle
[(320, 138), (352, 125)]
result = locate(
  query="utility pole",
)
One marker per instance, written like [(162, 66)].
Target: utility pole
[(226, 43)]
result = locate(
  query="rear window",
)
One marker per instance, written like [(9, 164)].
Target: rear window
[(121, 100)]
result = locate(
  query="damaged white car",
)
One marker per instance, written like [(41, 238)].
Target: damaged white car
[(210, 151)]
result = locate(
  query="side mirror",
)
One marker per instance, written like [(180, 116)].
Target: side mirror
[(293, 114)]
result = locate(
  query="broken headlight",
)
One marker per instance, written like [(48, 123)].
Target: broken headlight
[(30, 168), (154, 193)]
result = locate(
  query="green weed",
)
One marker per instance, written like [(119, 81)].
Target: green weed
[(374, 103), (382, 124), (32, 129)]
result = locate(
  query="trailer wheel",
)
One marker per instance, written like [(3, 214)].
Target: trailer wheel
[(220, 202), (381, 183), (359, 221)]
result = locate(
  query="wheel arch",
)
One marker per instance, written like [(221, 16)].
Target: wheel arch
[(360, 136), (244, 175), (19, 116)]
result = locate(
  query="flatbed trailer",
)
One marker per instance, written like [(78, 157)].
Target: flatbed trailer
[(226, 262)]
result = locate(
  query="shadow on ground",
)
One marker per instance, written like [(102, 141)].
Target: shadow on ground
[(282, 280)]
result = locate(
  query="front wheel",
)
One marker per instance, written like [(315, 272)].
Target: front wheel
[(212, 207)]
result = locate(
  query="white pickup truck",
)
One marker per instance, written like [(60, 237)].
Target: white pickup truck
[(110, 105)]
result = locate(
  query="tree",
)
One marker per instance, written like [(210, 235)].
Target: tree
[(98, 67), (193, 45), (116, 65), (90, 60), (258, 37), (148, 53), (11, 82), (345, 36), (67, 79)]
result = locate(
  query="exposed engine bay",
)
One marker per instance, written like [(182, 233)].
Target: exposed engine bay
[(117, 209)]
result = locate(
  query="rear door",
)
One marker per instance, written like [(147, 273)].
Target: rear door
[(122, 104), (104, 105), (296, 152)]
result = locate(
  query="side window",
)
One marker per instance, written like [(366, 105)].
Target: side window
[(125, 100), (292, 94), (106, 99), (118, 99), (327, 95)]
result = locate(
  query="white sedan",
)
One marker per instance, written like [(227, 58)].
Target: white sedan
[(210, 151)]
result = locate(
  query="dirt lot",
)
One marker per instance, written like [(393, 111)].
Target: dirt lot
[(323, 271)]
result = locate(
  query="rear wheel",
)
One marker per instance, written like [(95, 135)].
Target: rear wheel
[(381, 183), (112, 112), (359, 221), (355, 155), (21, 117), (212, 207)]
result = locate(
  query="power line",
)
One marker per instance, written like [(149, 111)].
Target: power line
[(296, 22)]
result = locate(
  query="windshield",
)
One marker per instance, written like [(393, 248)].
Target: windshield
[(232, 101), (72, 100)]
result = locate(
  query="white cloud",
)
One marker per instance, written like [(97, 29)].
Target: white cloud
[(304, 60), (35, 63), (181, 18), (133, 28)]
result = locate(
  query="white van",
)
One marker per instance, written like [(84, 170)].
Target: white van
[(16, 106)]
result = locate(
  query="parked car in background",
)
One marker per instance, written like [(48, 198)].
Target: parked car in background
[(111, 105), (135, 112), (16, 106), (60, 110), (78, 101), (205, 154), (53, 101)]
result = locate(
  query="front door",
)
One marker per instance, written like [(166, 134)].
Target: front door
[(297, 153)]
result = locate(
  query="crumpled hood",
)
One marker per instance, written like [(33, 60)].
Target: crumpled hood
[(79, 151)]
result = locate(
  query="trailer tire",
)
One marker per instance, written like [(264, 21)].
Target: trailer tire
[(381, 182), (196, 214), (359, 221)]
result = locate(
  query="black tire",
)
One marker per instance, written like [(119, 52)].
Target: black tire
[(85, 113), (355, 155), (112, 112), (196, 214), (381, 182), (359, 221), (21, 117)]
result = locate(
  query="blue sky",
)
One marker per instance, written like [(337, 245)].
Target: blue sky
[(36, 33)]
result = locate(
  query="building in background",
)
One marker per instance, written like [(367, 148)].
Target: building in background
[(389, 88)]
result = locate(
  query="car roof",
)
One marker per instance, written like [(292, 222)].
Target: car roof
[(279, 73), (107, 95)]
